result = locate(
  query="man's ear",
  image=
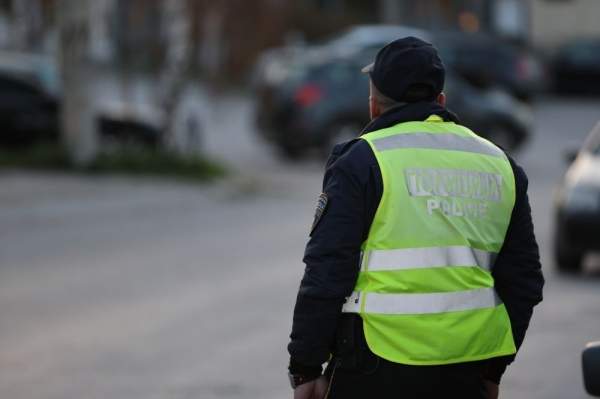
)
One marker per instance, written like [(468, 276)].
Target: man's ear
[(374, 110), (441, 99)]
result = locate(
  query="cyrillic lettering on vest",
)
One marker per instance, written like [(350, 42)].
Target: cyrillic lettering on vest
[(464, 193)]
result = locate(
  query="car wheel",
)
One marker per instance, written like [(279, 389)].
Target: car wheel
[(502, 137), (567, 259)]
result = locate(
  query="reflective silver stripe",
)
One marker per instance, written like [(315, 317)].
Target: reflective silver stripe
[(419, 258), (439, 302), (437, 141)]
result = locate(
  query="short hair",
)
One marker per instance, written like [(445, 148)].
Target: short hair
[(384, 101), (415, 93)]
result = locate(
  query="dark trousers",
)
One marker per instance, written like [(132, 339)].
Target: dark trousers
[(391, 380), (356, 372)]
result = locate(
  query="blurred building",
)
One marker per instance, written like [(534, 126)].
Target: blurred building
[(27, 24), (544, 23), (506, 18), (556, 21), (223, 38), (229, 34)]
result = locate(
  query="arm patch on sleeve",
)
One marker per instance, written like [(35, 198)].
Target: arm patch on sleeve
[(321, 206)]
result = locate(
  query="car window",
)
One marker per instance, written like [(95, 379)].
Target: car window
[(297, 73), (367, 36), (340, 74), (334, 73)]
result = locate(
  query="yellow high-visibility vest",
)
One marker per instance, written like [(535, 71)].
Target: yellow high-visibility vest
[(425, 290)]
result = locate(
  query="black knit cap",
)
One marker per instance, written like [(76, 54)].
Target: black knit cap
[(406, 63)]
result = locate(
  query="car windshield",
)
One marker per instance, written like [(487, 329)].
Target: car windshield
[(369, 36), (361, 36), (330, 72)]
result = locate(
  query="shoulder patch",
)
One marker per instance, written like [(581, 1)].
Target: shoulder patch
[(321, 206)]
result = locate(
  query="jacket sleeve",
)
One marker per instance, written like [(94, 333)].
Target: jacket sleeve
[(332, 263), (517, 272)]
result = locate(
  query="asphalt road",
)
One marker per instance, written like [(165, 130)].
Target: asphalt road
[(121, 288)]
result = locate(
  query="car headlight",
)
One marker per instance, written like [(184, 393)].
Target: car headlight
[(583, 199)]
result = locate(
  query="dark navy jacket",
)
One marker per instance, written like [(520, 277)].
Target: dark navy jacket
[(353, 186)]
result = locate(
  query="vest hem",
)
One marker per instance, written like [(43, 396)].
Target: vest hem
[(445, 362)]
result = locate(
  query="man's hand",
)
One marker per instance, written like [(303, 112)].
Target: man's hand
[(315, 389), (491, 388)]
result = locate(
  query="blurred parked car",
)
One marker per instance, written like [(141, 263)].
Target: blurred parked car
[(483, 60), (29, 102), (577, 67), (578, 207), (487, 61), (324, 101), (131, 123), (275, 64), (362, 37)]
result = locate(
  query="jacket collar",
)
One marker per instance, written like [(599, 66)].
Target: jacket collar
[(419, 111)]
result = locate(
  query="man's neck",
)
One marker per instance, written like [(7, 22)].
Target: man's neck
[(407, 112)]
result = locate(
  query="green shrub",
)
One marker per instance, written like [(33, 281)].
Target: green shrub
[(125, 161)]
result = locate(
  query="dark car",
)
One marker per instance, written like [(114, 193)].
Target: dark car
[(362, 37), (317, 104), (486, 61), (578, 207), (481, 59), (323, 101), (29, 104), (577, 67), (128, 122)]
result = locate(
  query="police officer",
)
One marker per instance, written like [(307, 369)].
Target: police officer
[(422, 268)]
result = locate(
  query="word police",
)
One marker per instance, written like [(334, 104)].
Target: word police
[(463, 193)]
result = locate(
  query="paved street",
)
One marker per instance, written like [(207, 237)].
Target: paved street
[(122, 288)]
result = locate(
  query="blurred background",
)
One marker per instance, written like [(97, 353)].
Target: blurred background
[(160, 161)]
